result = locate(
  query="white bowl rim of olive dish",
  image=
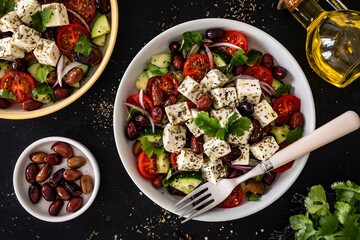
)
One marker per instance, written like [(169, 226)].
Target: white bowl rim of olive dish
[(258, 40), (21, 186)]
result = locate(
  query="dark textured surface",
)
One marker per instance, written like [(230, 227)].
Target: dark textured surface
[(120, 211)]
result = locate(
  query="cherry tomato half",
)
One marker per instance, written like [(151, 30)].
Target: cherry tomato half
[(173, 159), (21, 84), (286, 166), (86, 8), (197, 66), (147, 166), (134, 99), (167, 83), (68, 35), (260, 72), (235, 38), (234, 199), (285, 106)]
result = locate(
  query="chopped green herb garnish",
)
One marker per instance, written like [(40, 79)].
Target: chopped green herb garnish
[(6, 6), (238, 59), (294, 135), (190, 39), (40, 19), (6, 94), (150, 148), (83, 45)]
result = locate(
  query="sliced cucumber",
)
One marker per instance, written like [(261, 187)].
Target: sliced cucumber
[(161, 60), (221, 59), (150, 138), (33, 68), (5, 67), (277, 84), (75, 85), (101, 26), (151, 74), (254, 57), (85, 69), (163, 163), (142, 81), (280, 133), (186, 182), (100, 41)]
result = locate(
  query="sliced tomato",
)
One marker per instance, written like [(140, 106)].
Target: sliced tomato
[(285, 106), (191, 105), (147, 166), (21, 84), (68, 35), (73, 18), (86, 8), (260, 72), (235, 38), (197, 66), (134, 99), (234, 199), (173, 159), (167, 83), (286, 166), (29, 55)]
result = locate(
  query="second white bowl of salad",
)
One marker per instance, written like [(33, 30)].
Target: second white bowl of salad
[(216, 97)]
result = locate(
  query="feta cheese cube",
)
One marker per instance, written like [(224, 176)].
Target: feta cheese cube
[(216, 148), (264, 149), (187, 160), (46, 52), (26, 38), (191, 89), (214, 171), (224, 97), (193, 128), (8, 51), (59, 16), (214, 79), (238, 140), (264, 113), (248, 90), (26, 8), (178, 113), (174, 138), (223, 114), (9, 22), (207, 138), (244, 159)]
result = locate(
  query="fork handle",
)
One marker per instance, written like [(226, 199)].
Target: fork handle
[(336, 128)]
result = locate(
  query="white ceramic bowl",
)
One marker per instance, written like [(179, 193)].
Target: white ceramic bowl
[(21, 186), (258, 40)]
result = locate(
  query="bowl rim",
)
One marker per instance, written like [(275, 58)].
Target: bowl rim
[(311, 121), (23, 200), (72, 98)]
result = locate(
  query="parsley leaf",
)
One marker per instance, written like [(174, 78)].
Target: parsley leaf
[(189, 39), (131, 113), (315, 202), (165, 181), (254, 197), (239, 126), (40, 18), (210, 125), (283, 90), (155, 70), (6, 6), (342, 211), (41, 74), (238, 59), (83, 45), (222, 134), (303, 225), (294, 135), (6, 94), (231, 120), (150, 149)]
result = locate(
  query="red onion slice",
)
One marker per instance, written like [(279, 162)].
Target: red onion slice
[(59, 70), (224, 44), (242, 77), (211, 59), (230, 84), (206, 40), (80, 18), (269, 88), (243, 168), (265, 89), (143, 111), (141, 101), (192, 49)]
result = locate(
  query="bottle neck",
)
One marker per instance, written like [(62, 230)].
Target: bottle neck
[(305, 11)]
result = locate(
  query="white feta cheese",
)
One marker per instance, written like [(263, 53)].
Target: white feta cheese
[(238, 140), (187, 160), (214, 171), (178, 113), (244, 159), (264, 149), (248, 90), (207, 138), (26, 8), (191, 89), (223, 114), (26, 38), (216, 148), (193, 128), (264, 113), (174, 138), (46, 52), (224, 97), (10, 22), (59, 16), (8, 51), (214, 79)]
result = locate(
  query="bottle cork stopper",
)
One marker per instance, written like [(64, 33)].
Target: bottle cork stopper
[(291, 5)]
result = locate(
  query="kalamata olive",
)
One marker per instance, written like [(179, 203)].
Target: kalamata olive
[(157, 114), (74, 76), (141, 120), (215, 34), (38, 157), (255, 186), (170, 101), (131, 131), (4, 103), (72, 188), (56, 207), (19, 64), (76, 162), (51, 77), (157, 181), (62, 193), (204, 102), (234, 173), (5, 34), (44, 173), (102, 6), (179, 75), (53, 159), (34, 193), (63, 149), (174, 47), (279, 72), (178, 62), (30, 105), (269, 178), (157, 95), (197, 144), (74, 204), (56, 178), (94, 57), (233, 155), (267, 61), (86, 184), (296, 120), (174, 191), (49, 34), (137, 148), (246, 109), (31, 172), (48, 192), (239, 70), (63, 92), (72, 174), (256, 134)]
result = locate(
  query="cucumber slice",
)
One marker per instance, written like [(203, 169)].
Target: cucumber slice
[(221, 59), (33, 68), (186, 182), (163, 163), (101, 26), (100, 41), (75, 85), (151, 74), (142, 81), (280, 133), (254, 57), (85, 69), (277, 84), (161, 60), (5, 67), (150, 138)]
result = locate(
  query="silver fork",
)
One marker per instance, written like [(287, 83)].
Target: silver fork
[(208, 195)]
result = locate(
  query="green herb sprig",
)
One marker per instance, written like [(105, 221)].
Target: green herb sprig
[(83, 45), (40, 19), (150, 148), (190, 39)]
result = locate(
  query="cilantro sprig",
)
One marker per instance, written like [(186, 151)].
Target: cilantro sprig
[(150, 148), (6, 94), (190, 39), (6, 6), (83, 45), (40, 19), (238, 59)]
